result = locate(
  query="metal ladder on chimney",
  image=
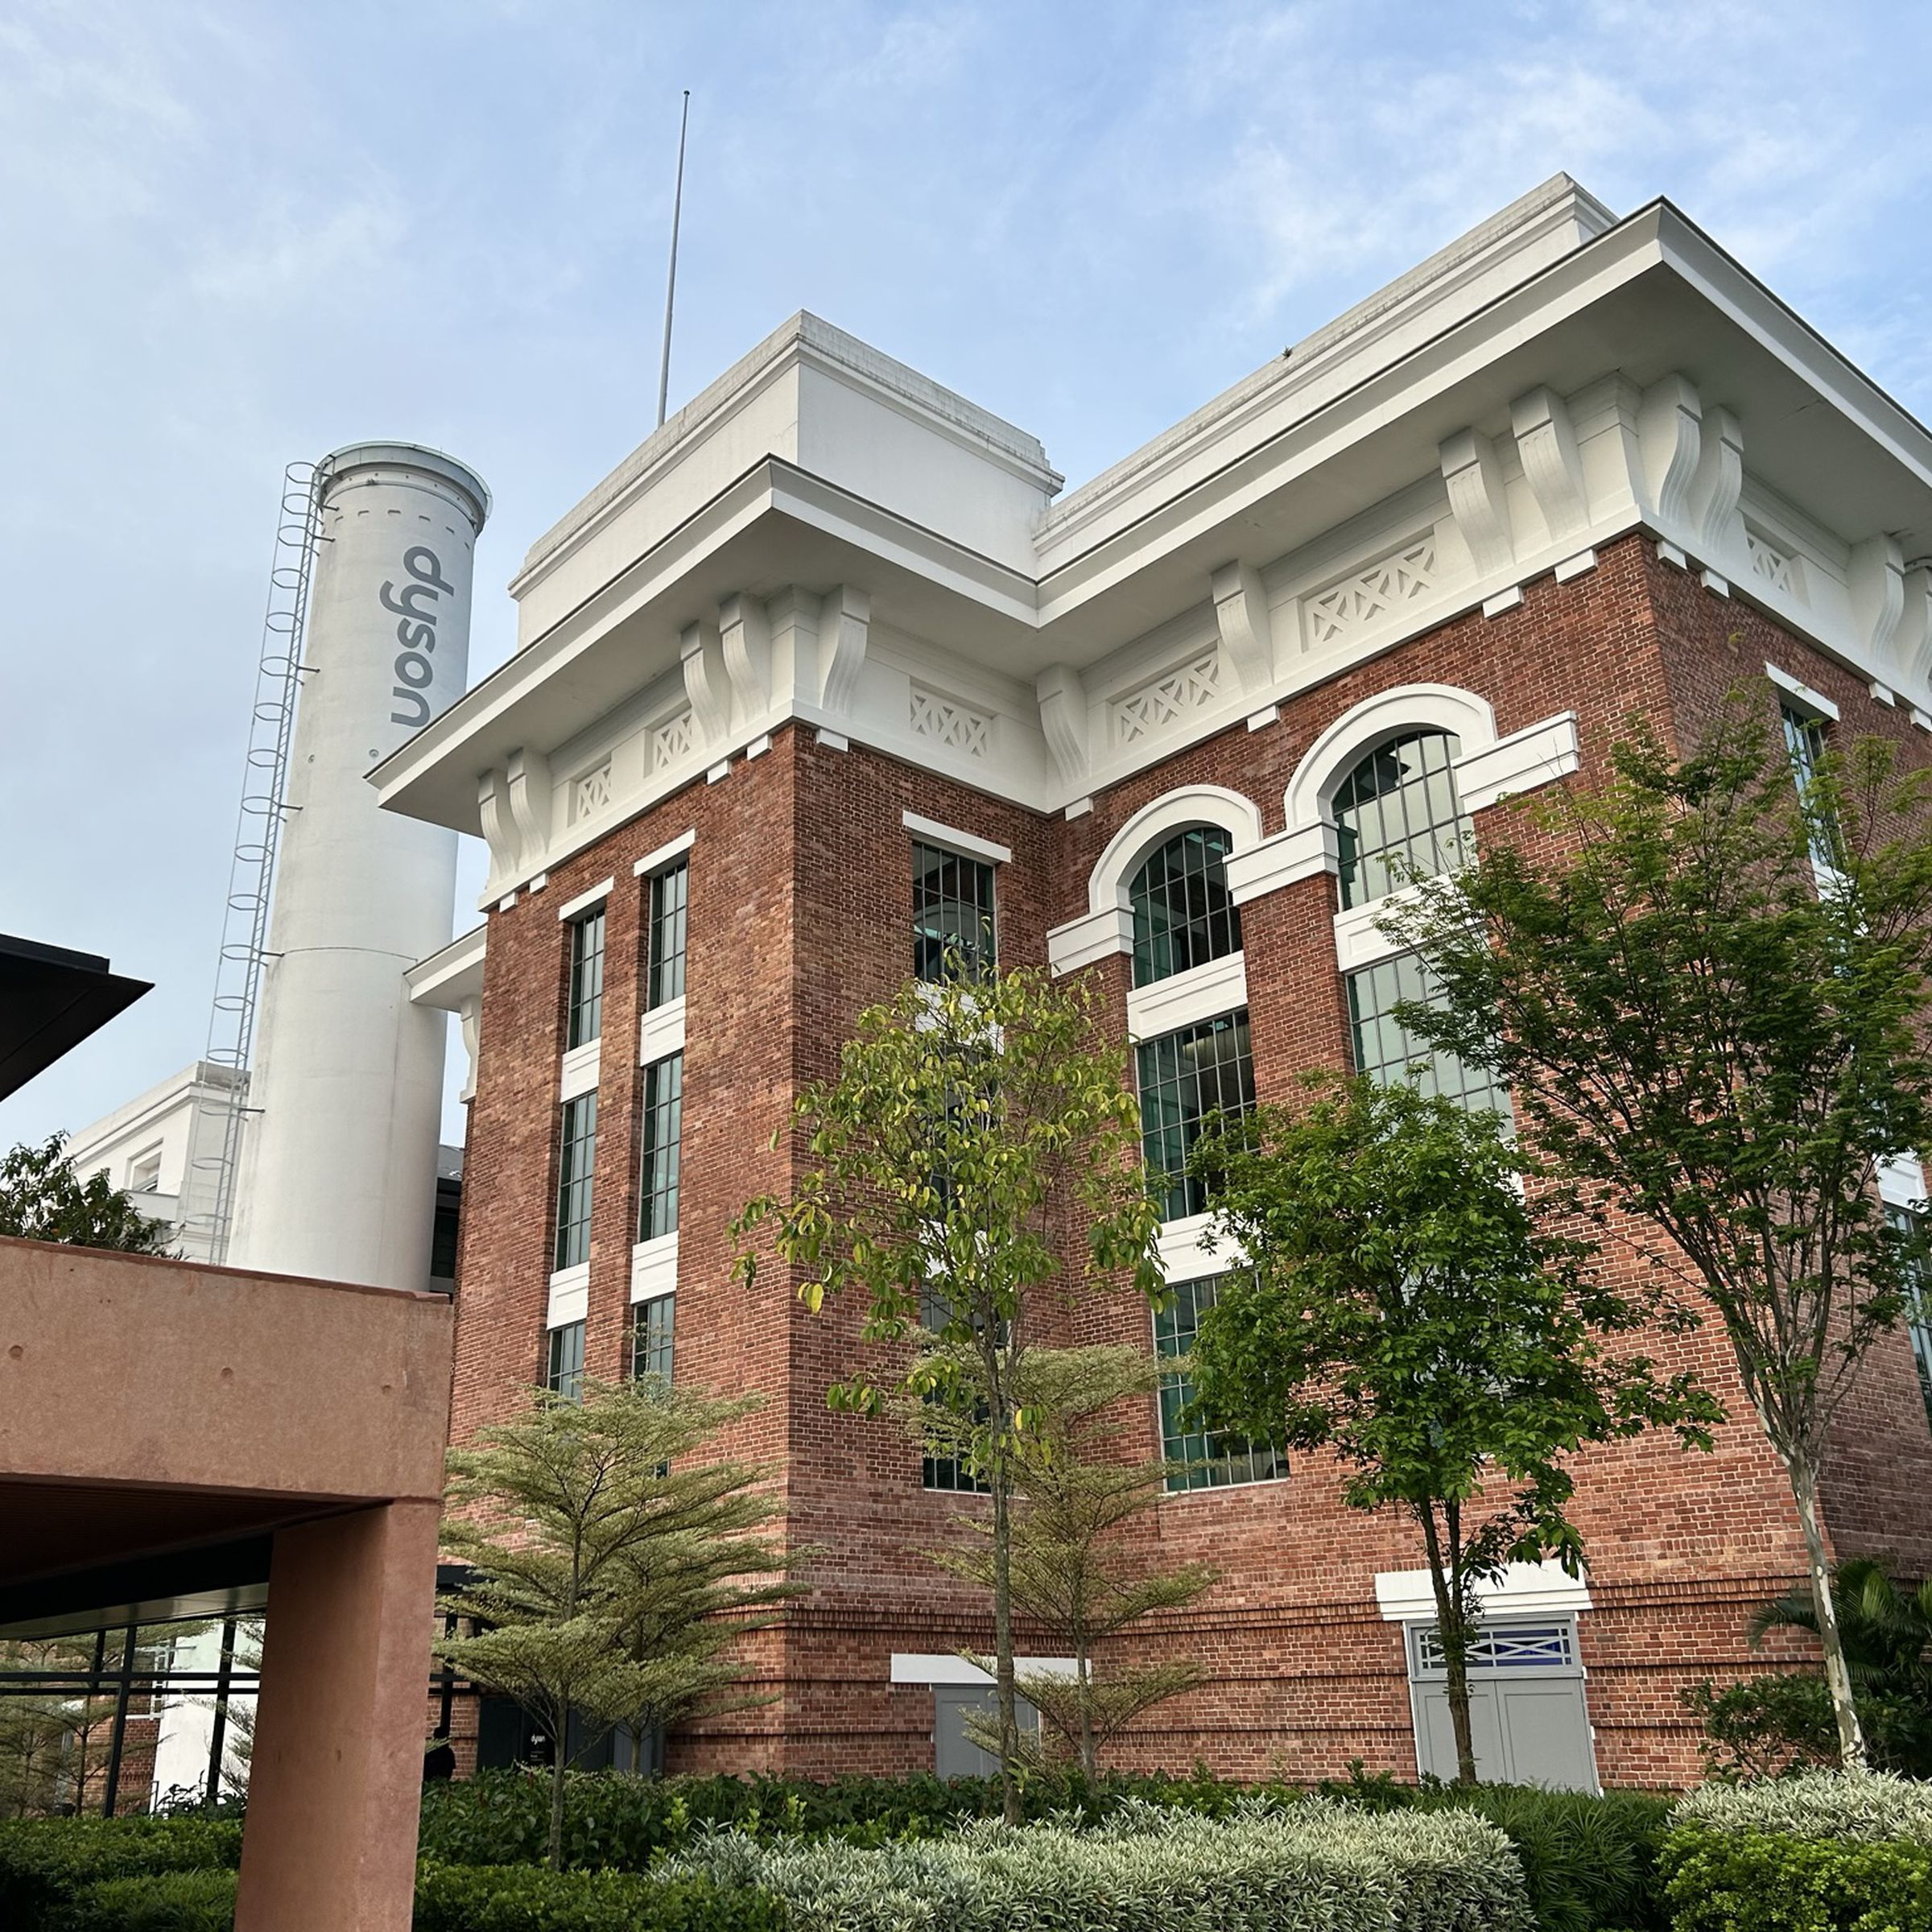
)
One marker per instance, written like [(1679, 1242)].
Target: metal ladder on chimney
[(244, 949)]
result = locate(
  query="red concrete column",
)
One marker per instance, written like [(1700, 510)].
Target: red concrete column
[(335, 1779)]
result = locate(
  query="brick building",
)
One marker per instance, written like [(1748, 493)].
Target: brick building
[(828, 663)]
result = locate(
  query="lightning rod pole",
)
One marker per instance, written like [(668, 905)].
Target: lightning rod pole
[(670, 285)]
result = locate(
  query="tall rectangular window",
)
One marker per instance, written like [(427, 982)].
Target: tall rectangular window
[(951, 913), (563, 1371), (946, 1472), (660, 1136), (1387, 1053), (1919, 1308), (1211, 1462), (670, 893), (576, 1157), (1184, 1077), (1805, 742), (652, 1325), (586, 978)]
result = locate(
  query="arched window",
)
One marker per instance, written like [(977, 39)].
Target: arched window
[(1396, 815), (1182, 915)]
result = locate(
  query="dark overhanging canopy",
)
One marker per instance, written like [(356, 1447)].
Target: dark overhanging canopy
[(50, 1000)]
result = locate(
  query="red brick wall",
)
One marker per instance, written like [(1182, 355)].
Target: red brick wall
[(800, 910)]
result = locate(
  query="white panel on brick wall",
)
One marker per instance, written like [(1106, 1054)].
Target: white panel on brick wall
[(1142, 713), (950, 723), (674, 739), (591, 794), (1379, 594)]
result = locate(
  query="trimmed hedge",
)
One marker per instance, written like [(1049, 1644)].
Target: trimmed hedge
[(1317, 1866), (163, 1901), (527, 1898), (1753, 1881), (1588, 1862), (1869, 1805), (44, 1862)]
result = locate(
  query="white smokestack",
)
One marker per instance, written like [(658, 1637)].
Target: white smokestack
[(338, 1171)]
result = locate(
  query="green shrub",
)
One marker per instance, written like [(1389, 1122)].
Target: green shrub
[(163, 1901), (527, 1898), (1739, 1880), (1587, 1862), (609, 1819), (46, 1861), (1314, 1867), (1872, 1805)]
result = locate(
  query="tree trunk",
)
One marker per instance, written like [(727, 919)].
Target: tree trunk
[(559, 1759), (1083, 1674), (1837, 1674), (1002, 1634), (1452, 1629)]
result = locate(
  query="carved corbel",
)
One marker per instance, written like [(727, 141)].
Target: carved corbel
[(1670, 426), (1718, 480), (1240, 610), (844, 620), (499, 828), (1913, 643), (526, 778), (1878, 598), (469, 1018), (705, 683), (1553, 466), (1063, 719), (746, 639), (1477, 502)]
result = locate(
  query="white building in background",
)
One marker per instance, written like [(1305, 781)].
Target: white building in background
[(162, 1147)]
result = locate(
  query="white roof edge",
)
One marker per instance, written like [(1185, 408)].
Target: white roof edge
[(209, 1073), (452, 972), (805, 331), (1559, 197)]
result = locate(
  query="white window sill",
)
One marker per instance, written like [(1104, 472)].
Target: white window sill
[(1185, 999), (661, 1032), (579, 1070), (569, 1295), (654, 1267)]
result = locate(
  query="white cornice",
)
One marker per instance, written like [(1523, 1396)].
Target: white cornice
[(1501, 440)]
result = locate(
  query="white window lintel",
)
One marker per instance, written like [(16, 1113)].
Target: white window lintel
[(585, 901), (656, 861), (950, 837)]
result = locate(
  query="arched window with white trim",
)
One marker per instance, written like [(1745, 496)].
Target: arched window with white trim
[(1183, 915), (1397, 816)]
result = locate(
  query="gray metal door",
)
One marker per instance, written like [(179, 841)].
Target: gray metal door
[(955, 1754), (1527, 1706)]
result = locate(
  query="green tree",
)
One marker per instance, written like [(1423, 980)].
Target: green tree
[(1071, 1572), (1705, 987), (43, 1199), (613, 1570), (1404, 1309), (978, 1149), (1765, 1725)]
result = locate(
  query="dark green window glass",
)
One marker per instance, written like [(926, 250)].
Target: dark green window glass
[(670, 893), (563, 1370), (660, 1137), (1397, 816), (1184, 1077), (586, 978), (951, 913), (652, 1323), (577, 1158), (1211, 1462), (1387, 1053), (1183, 916)]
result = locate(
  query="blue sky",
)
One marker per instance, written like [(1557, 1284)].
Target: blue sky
[(231, 235)]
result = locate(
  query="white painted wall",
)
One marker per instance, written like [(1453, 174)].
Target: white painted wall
[(338, 1178), (172, 1131)]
